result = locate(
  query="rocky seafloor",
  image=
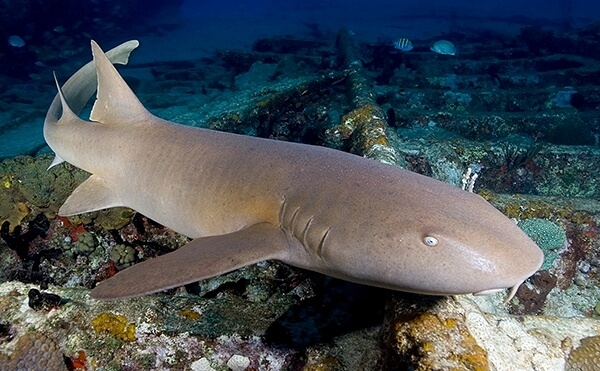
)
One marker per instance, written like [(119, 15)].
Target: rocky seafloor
[(520, 111)]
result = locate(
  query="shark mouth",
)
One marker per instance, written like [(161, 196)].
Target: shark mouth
[(511, 293)]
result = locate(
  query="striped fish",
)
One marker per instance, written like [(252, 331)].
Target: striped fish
[(403, 44)]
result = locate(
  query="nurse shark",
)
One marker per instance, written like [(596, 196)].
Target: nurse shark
[(244, 199)]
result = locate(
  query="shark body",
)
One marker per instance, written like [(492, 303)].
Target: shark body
[(243, 200)]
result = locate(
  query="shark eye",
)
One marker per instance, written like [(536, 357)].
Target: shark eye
[(430, 241)]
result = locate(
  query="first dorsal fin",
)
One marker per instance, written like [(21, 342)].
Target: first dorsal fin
[(115, 103)]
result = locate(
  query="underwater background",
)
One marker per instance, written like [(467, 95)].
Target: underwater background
[(508, 91)]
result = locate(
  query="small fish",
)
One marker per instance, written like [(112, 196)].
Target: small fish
[(444, 47), (16, 41), (403, 44)]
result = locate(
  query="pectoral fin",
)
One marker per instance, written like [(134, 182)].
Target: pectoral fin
[(200, 259)]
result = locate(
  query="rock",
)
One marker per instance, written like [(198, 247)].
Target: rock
[(238, 362), (201, 365)]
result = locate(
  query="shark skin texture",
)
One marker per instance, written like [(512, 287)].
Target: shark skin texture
[(244, 200)]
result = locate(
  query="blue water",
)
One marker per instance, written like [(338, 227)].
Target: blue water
[(56, 36)]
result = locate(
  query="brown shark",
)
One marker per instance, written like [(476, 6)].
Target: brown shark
[(243, 200)]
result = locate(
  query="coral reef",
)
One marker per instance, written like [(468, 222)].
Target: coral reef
[(531, 297), (82, 243)]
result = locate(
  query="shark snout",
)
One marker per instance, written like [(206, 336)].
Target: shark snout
[(488, 292), (511, 293), (526, 271)]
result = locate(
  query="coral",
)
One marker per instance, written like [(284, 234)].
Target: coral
[(581, 243), (585, 357), (115, 325), (457, 101), (318, 359), (78, 362), (19, 242), (562, 99), (35, 352), (41, 188), (365, 127), (549, 237), (12, 211), (43, 300), (572, 132), (123, 255), (523, 208), (83, 242)]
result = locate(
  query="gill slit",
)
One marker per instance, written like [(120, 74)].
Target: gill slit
[(322, 243), (305, 230), (282, 211), (292, 221)]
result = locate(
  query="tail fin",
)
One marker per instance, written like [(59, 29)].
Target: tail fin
[(81, 86)]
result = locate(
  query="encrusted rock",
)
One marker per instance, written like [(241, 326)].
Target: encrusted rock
[(432, 335), (475, 333), (586, 357)]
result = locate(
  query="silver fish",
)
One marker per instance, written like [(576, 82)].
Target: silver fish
[(444, 47), (16, 41)]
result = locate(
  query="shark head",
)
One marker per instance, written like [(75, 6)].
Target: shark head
[(437, 240)]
